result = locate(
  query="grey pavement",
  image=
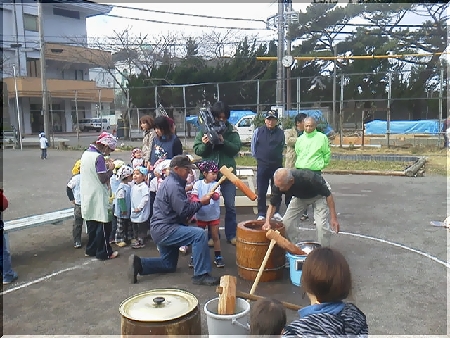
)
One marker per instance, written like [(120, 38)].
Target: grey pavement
[(60, 292)]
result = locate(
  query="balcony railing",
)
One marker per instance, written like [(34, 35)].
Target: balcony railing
[(78, 54), (64, 89)]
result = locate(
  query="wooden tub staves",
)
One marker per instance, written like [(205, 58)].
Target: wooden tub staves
[(251, 247)]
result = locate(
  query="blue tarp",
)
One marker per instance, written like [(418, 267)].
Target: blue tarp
[(321, 120), (403, 127)]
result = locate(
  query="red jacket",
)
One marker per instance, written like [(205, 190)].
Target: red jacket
[(4, 201)]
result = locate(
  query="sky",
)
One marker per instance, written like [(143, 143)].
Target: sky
[(101, 26)]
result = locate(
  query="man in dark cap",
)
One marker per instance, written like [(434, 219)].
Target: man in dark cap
[(169, 230), (267, 147)]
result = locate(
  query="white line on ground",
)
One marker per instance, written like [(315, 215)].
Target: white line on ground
[(435, 259), (21, 286), (398, 245)]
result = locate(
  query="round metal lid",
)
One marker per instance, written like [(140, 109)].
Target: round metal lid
[(158, 305)]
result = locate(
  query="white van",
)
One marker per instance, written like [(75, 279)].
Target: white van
[(245, 127), (96, 124)]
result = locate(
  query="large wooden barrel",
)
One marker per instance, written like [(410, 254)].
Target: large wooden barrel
[(251, 247), (167, 312)]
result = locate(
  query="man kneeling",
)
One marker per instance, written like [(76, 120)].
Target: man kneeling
[(169, 230)]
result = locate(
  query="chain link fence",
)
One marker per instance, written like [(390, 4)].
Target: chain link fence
[(348, 101)]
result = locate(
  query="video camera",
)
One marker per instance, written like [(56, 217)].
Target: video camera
[(210, 126)]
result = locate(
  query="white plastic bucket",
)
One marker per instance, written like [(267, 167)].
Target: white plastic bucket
[(229, 325)]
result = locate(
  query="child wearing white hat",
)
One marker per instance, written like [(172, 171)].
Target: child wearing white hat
[(122, 210)]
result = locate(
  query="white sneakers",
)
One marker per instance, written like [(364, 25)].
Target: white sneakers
[(277, 217)]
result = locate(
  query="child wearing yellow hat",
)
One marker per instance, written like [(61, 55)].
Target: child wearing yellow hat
[(114, 183)]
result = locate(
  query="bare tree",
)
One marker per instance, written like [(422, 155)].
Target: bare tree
[(217, 44), (124, 54), (5, 64)]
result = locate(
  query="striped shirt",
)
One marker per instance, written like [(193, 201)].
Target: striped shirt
[(350, 322)]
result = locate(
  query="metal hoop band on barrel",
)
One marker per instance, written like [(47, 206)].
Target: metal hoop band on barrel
[(250, 269)]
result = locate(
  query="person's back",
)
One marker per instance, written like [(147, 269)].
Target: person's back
[(345, 319)]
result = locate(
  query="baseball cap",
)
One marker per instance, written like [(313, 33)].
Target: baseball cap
[(181, 161), (271, 114)]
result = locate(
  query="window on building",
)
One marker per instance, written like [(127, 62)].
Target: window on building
[(66, 13), (33, 68), (81, 114), (30, 22), (79, 75)]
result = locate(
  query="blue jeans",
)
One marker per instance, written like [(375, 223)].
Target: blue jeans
[(8, 272), (43, 153), (169, 252), (228, 191)]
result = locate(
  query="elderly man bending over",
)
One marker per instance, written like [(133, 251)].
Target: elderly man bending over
[(169, 230), (306, 188)]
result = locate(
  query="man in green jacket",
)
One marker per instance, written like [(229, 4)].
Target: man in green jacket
[(313, 151), (222, 154)]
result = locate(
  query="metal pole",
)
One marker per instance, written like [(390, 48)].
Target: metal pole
[(341, 113), (298, 94), (156, 98), (51, 119), (333, 116), (76, 113), (43, 64), (288, 52), (280, 53), (185, 113), (388, 119), (441, 88), (362, 129), (100, 109), (17, 108), (138, 117), (218, 91), (129, 115), (16, 33), (257, 97)]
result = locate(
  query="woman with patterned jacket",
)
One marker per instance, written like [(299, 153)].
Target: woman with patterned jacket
[(148, 126), (326, 279)]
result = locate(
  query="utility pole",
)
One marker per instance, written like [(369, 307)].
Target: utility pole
[(333, 116), (19, 123), (43, 74), (280, 54), (288, 52)]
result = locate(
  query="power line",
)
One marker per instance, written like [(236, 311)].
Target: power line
[(184, 24), (187, 14), (106, 44)]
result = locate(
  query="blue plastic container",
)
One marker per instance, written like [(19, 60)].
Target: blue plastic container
[(295, 268)]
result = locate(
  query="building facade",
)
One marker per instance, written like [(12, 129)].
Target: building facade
[(68, 61)]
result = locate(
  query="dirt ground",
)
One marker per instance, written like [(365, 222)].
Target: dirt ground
[(398, 261)]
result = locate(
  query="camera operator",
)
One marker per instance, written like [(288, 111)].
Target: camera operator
[(222, 153)]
